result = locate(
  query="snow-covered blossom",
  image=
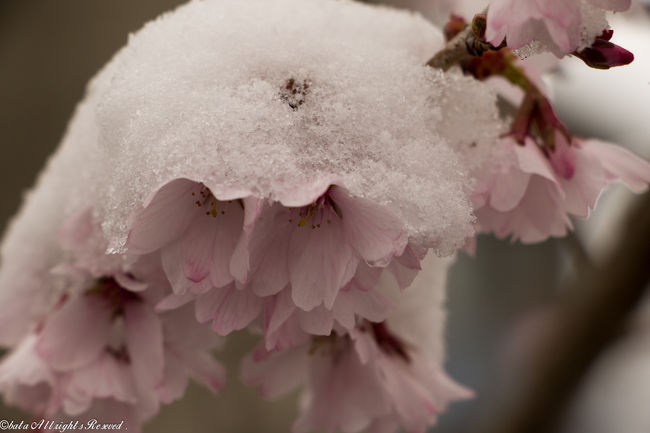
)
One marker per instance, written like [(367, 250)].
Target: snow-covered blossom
[(281, 118), (561, 27), (232, 168)]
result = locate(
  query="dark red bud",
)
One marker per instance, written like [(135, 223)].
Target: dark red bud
[(604, 55), (606, 35), (455, 25)]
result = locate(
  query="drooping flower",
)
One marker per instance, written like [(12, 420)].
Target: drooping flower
[(316, 246), (326, 253), (194, 231), (104, 341), (534, 197), (377, 376)]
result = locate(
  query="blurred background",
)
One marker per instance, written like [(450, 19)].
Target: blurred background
[(49, 49)]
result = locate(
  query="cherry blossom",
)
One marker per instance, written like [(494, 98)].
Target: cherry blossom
[(534, 198), (556, 24), (371, 377)]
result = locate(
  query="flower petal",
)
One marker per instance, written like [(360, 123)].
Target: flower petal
[(620, 164), (65, 345), (164, 218), (227, 234), (319, 261), (372, 230), (228, 308), (144, 341)]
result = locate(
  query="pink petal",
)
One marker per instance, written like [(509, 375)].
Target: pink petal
[(144, 341), (130, 283), (560, 35), (584, 188), (65, 345), (366, 277), (164, 218), (22, 365), (207, 371), (104, 378), (532, 160), (412, 402), (240, 261), (228, 231), (318, 321), (539, 215), (229, 309), (563, 157), (172, 263), (620, 164), (370, 305), (281, 326), (347, 395), (173, 301), (278, 310), (508, 189), (197, 245), (175, 379), (269, 249), (372, 230), (319, 261)]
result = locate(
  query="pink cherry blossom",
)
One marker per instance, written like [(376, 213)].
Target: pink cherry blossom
[(26, 380), (317, 246), (533, 199), (557, 24), (376, 376), (194, 231), (124, 353), (369, 381), (104, 341), (286, 325)]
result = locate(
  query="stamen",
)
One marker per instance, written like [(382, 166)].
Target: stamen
[(316, 214), (208, 200)]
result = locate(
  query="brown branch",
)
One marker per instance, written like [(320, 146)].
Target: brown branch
[(455, 51), (588, 317)]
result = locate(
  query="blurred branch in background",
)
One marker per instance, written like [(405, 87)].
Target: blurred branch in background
[(587, 318)]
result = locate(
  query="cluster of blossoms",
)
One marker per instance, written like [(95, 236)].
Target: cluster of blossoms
[(301, 187)]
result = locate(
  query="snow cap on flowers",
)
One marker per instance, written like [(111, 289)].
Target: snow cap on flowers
[(30, 246), (250, 99)]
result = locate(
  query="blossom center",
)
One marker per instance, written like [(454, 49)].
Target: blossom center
[(117, 296), (206, 200), (315, 215)]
